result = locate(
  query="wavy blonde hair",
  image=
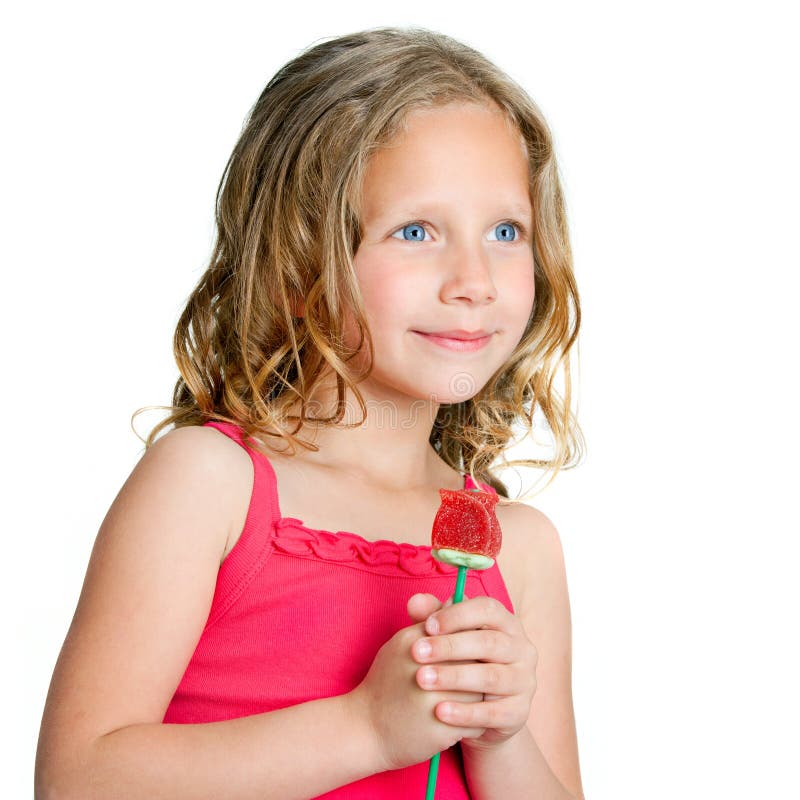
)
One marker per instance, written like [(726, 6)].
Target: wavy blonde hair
[(288, 227)]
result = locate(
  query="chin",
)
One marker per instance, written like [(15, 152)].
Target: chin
[(425, 386), (458, 389)]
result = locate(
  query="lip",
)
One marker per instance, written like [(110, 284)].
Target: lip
[(457, 341), (457, 334)]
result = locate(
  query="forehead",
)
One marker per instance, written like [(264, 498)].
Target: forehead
[(459, 112), (460, 152)]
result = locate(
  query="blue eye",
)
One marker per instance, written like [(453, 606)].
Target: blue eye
[(507, 232), (413, 232)]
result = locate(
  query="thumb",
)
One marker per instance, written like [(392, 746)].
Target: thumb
[(421, 606)]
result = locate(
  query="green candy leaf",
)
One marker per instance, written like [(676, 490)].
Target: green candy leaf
[(458, 558)]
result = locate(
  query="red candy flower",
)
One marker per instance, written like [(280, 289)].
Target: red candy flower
[(466, 521)]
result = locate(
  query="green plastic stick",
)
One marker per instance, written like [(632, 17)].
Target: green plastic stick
[(433, 771), (433, 768)]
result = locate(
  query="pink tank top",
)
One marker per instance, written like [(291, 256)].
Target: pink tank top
[(281, 626)]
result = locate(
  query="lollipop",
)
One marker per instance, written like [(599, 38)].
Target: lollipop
[(466, 532), (467, 535)]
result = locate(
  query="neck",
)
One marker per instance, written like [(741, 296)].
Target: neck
[(390, 449)]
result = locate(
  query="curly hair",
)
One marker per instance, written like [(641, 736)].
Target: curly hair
[(288, 227)]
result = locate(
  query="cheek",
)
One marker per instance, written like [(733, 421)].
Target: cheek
[(521, 291), (385, 294), (378, 300)]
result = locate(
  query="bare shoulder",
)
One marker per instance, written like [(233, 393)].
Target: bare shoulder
[(196, 466), (533, 555), (231, 468), (203, 446)]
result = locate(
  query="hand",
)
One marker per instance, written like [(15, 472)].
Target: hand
[(398, 712), (496, 658)]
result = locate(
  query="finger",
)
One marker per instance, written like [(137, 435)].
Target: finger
[(475, 645), (421, 606), (479, 612), (491, 679), (505, 714)]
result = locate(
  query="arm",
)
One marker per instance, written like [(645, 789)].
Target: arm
[(144, 603), (541, 760), (292, 754), (515, 770)]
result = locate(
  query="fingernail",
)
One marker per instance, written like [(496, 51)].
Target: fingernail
[(423, 649), (432, 625), (427, 675)]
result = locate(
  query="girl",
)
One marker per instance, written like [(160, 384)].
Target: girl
[(261, 617)]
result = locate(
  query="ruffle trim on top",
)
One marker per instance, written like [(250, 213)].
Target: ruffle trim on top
[(294, 538), (383, 555)]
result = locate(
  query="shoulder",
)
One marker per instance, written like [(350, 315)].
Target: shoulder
[(202, 449), (201, 444), (534, 557), (210, 466)]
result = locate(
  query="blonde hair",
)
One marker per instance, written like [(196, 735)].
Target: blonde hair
[(288, 226)]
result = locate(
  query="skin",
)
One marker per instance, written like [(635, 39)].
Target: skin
[(480, 628), (482, 667)]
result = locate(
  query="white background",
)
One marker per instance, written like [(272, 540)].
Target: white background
[(676, 129)]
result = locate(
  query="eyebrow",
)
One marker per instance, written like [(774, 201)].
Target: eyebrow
[(520, 210), (421, 210)]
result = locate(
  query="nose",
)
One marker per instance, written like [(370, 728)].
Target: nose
[(468, 276)]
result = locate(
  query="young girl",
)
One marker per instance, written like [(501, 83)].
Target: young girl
[(390, 292)]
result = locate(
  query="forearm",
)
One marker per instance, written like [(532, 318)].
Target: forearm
[(515, 770), (293, 754)]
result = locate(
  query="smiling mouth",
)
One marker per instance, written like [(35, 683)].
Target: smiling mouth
[(456, 344), (458, 333)]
